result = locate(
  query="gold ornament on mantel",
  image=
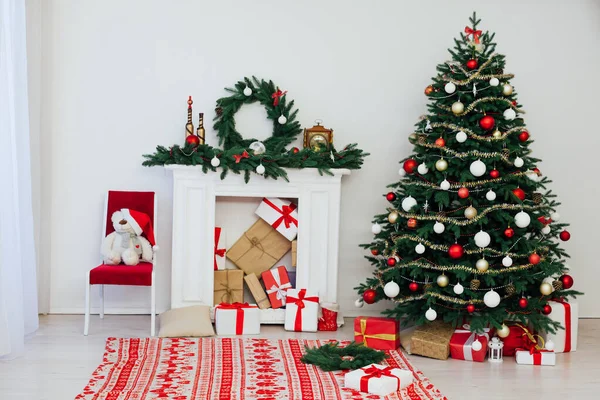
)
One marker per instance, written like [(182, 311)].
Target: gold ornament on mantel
[(200, 132), (318, 138), (189, 126)]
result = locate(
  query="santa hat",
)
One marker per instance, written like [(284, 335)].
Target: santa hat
[(140, 222)]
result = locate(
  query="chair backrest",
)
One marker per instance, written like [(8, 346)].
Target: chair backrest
[(140, 201)]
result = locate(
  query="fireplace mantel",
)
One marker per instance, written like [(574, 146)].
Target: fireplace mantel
[(194, 199)]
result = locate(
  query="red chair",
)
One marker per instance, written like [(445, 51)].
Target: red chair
[(138, 275)]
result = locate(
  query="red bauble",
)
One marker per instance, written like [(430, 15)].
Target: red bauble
[(567, 281), (391, 196), (391, 261), (375, 252), (295, 150), (564, 236), (193, 140), (519, 193), (463, 192), (471, 308), (537, 171), (509, 232), (472, 64), (547, 309), (440, 142), (413, 286), (369, 296), (534, 258), (456, 251), (523, 302), (523, 136), (494, 173), (487, 122), (411, 223), (409, 165)]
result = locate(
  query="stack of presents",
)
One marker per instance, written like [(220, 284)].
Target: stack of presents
[(255, 255)]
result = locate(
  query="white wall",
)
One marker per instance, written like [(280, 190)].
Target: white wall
[(116, 75)]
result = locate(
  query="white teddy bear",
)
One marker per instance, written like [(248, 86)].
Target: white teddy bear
[(126, 244)]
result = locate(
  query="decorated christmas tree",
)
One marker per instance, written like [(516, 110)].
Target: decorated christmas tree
[(471, 230)]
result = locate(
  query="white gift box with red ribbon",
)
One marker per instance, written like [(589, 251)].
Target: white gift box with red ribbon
[(301, 310), (220, 250), (281, 215), (378, 379), (277, 283), (237, 319), (567, 314), (535, 357), (461, 344)]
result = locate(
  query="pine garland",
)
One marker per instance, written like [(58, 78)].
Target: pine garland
[(332, 357)]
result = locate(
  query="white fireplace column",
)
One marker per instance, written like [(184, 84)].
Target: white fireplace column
[(194, 200)]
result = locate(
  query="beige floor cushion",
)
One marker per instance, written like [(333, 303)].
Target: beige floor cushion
[(192, 321)]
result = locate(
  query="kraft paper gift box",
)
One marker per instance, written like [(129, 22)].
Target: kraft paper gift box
[(378, 379), (461, 344), (567, 314), (432, 340), (294, 253), (220, 250), (277, 283), (377, 332), (259, 248), (237, 319), (281, 215), (229, 286), (535, 357), (301, 310), (259, 294)]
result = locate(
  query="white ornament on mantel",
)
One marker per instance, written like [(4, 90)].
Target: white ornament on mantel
[(215, 162), (247, 91), (192, 273), (282, 119)]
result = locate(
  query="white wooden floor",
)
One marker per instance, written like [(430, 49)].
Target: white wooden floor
[(59, 360)]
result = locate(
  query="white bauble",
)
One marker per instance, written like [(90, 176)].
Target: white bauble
[(441, 165), (376, 228), (358, 303), (438, 227), (408, 203), (450, 88), (477, 168), (461, 137), (247, 91), (257, 147), (491, 299), (458, 108), (458, 288), (391, 289), (430, 314), (546, 230), (550, 345), (420, 249), (422, 169), (546, 289), (476, 345), (215, 162), (509, 114), (401, 172), (555, 216), (490, 195), (482, 239), (282, 119), (518, 162), (260, 169), (494, 82), (445, 185), (522, 219), (507, 261)]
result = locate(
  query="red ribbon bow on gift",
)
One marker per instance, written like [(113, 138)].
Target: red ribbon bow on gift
[(286, 214), (374, 372), (299, 302), (239, 317), (473, 32), (275, 96), (238, 157), (218, 252)]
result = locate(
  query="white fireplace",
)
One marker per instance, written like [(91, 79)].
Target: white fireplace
[(194, 200)]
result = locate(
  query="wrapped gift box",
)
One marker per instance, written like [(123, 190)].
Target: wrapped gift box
[(461, 344), (277, 283), (258, 249), (378, 379), (432, 340), (281, 215), (220, 250), (515, 339), (567, 314), (259, 294), (237, 319), (229, 286), (294, 253), (301, 311), (535, 357), (377, 332)]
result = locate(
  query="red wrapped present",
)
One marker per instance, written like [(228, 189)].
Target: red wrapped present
[(219, 249), (516, 339), (377, 332), (277, 282), (461, 344)]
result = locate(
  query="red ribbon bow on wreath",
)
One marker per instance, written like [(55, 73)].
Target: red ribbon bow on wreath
[(374, 372), (473, 32), (275, 96), (238, 157)]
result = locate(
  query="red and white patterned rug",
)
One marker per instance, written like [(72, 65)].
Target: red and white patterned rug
[(228, 368)]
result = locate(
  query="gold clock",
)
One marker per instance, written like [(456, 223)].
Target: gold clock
[(318, 138)]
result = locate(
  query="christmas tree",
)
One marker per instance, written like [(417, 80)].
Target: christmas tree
[(471, 230)]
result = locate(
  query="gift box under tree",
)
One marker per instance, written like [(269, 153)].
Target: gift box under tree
[(220, 250), (277, 283), (377, 332), (237, 319), (469, 346), (378, 379), (432, 340), (535, 357), (301, 311), (229, 286), (281, 215), (515, 339), (567, 314)]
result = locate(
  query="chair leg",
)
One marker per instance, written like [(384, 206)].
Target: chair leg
[(101, 301), (87, 305), (152, 307)]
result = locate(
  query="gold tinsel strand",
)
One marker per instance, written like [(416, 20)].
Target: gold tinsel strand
[(502, 155), (475, 136), (471, 184), (475, 284), (459, 301), (478, 75), (458, 267), (474, 104)]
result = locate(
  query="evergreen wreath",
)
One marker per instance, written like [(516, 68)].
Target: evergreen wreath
[(275, 103), (332, 357)]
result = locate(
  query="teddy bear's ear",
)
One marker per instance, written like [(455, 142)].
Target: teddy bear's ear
[(117, 216)]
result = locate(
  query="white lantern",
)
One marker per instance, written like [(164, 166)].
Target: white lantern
[(495, 350)]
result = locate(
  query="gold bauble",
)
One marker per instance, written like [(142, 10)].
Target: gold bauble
[(428, 90), (546, 289), (443, 280), (393, 217), (458, 108), (475, 284), (412, 138), (503, 332), (507, 89), (482, 265), (470, 212), (497, 134), (441, 165)]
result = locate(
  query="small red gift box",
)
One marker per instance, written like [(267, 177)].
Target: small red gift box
[(516, 339), (461, 344), (277, 282), (377, 332)]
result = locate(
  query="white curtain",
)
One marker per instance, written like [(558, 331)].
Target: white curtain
[(18, 289)]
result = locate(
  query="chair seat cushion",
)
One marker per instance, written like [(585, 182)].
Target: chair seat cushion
[(132, 275)]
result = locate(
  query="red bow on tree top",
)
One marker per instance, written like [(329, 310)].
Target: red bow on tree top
[(473, 32), (275, 96), (238, 157)]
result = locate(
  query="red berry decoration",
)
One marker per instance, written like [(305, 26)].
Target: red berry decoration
[(409, 165), (456, 251), (440, 142), (375, 252), (471, 308), (413, 286), (523, 302), (391, 196), (534, 258), (547, 309), (494, 173), (567, 281), (295, 150), (509, 232), (524, 136), (487, 122), (193, 140), (463, 192), (369, 296), (391, 261), (519, 193), (472, 64), (564, 236)]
